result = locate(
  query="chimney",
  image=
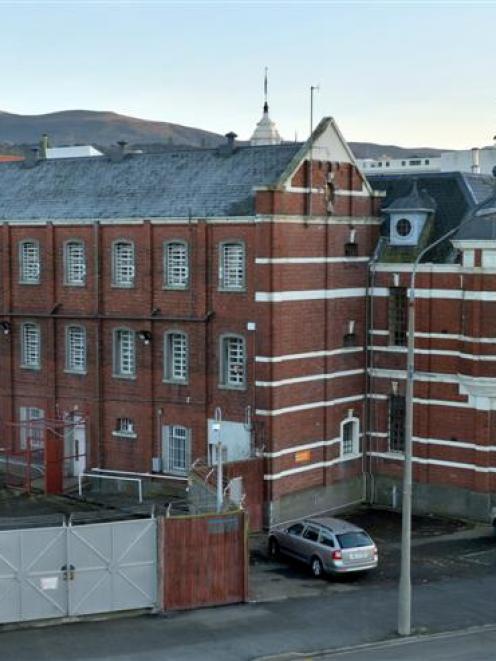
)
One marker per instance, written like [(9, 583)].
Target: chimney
[(475, 160), (32, 158), (43, 146), (231, 140), (122, 145)]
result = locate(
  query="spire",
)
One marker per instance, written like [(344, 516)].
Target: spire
[(265, 132)]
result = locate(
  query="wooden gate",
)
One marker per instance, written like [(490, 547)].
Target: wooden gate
[(204, 560)]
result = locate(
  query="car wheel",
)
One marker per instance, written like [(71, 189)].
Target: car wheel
[(273, 548), (316, 567)]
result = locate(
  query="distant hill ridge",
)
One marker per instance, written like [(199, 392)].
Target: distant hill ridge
[(73, 127)]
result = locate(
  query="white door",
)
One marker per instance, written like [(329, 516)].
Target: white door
[(75, 445)]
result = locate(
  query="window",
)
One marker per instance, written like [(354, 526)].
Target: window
[(403, 227), (176, 265), (397, 315), (350, 437), (125, 427), (124, 353), (31, 431), (176, 357), (29, 262), (312, 534), (351, 249), (296, 529), (123, 270), (396, 423), (30, 345), (326, 540), (233, 362), (177, 449), (415, 162), (75, 349), (232, 266), (74, 263)]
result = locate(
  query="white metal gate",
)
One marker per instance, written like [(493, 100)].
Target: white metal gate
[(77, 570)]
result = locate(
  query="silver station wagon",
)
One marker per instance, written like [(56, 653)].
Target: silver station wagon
[(327, 545)]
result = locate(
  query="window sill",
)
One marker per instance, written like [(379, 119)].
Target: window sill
[(29, 282), (175, 287), (76, 372), (229, 290), (74, 284), (35, 368), (125, 377), (124, 434), (116, 286), (173, 382), (223, 386), (350, 456)]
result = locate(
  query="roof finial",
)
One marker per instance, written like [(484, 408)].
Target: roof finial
[(266, 105)]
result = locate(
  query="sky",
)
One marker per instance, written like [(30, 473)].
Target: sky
[(412, 73)]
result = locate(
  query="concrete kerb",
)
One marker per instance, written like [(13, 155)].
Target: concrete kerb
[(377, 645)]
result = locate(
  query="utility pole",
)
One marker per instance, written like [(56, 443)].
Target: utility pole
[(313, 88), (405, 586)]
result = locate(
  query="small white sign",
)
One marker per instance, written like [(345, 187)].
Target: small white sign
[(49, 583)]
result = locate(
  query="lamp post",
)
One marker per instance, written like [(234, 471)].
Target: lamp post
[(405, 586)]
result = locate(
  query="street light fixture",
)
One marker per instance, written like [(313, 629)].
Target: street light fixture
[(405, 587)]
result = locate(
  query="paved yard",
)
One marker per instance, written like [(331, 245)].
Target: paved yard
[(441, 548)]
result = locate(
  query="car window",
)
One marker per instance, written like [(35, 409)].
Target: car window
[(350, 540), (312, 534), (326, 540), (296, 529)]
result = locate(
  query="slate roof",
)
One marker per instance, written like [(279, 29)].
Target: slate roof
[(181, 183), (481, 225), (415, 200), (455, 194)]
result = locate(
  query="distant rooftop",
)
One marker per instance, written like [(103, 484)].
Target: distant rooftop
[(77, 151)]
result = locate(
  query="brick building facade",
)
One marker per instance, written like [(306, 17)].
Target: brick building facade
[(140, 292)]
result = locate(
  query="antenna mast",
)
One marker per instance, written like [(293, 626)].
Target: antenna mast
[(313, 88)]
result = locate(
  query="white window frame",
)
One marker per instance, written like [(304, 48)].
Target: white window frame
[(124, 367), (176, 357), (29, 265), (176, 266), (173, 436), (123, 274), (30, 355), (74, 265), (125, 428), (355, 441), (232, 276), (75, 356), (228, 361), (28, 414)]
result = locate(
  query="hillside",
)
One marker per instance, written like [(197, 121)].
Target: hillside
[(72, 127)]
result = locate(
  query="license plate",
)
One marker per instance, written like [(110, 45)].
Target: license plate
[(358, 556)]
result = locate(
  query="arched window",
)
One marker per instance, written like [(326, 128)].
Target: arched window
[(232, 266), (29, 262), (232, 361), (30, 345), (176, 357), (350, 437), (176, 265), (123, 264), (75, 349), (124, 353), (74, 263)]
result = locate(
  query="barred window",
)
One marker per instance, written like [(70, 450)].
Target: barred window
[(351, 249), (123, 267), (29, 262), (75, 263), (397, 410), (233, 361), (176, 357), (397, 315), (176, 265), (349, 437), (232, 266), (125, 427), (75, 350), (177, 449), (124, 353), (30, 345)]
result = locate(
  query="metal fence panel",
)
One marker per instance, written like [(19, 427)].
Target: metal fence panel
[(114, 566), (32, 574)]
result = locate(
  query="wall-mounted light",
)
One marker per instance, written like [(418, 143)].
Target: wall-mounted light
[(5, 326), (145, 336)]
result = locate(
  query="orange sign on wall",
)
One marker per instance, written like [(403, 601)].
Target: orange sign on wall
[(304, 455)]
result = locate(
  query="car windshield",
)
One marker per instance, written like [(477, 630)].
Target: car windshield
[(350, 540)]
